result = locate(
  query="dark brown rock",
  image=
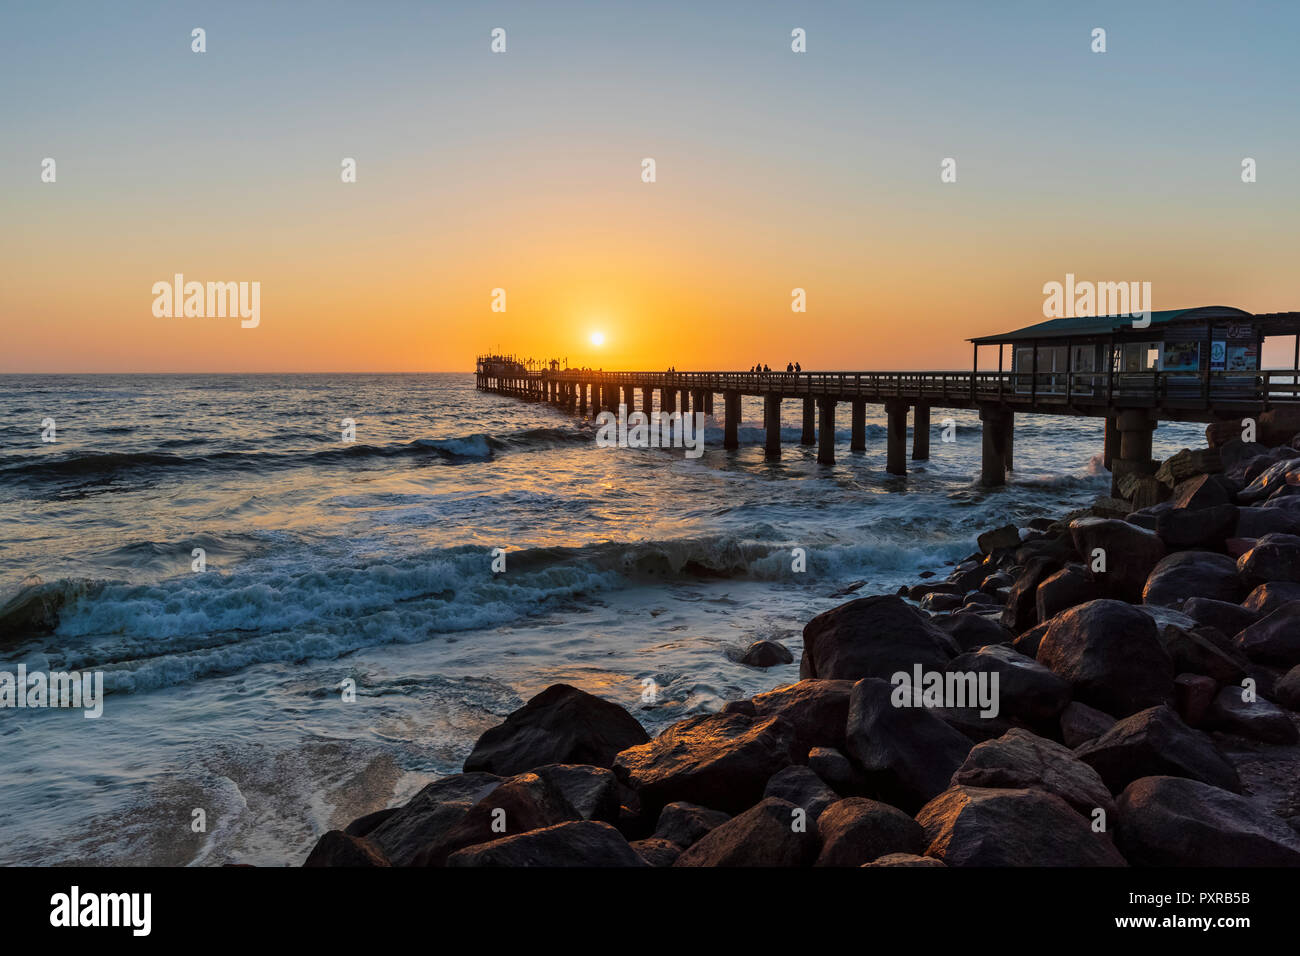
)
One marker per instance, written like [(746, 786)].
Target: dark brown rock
[(1156, 742), (337, 848), (763, 835), (684, 823), (1130, 553), (1193, 697), (1275, 557), (1020, 760), (1067, 588), (1258, 719), (1189, 574), (1274, 639), (582, 843), (656, 851), (427, 816), (817, 709), (856, 830), (1081, 723), (803, 788), (872, 637)]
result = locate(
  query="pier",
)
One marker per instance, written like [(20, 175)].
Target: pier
[(1189, 365)]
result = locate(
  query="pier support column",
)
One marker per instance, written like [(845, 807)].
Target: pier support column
[(858, 429), (921, 433), (647, 399), (629, 398), (708, 403), (809, 435), (582, 399), (1110, 450), (1136, 426), (1009, 453), (686, 402), (772, 420), (731, 407), (896, 450), (826, 431), (668, 400), (997, 426)]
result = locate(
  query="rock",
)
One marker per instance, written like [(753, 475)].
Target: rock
[(1020, 760), (1217, 433), (767, 654), (941, 602), (657, 852), (1174, 821), (971, 723), (719, 760), (855, 831), (1257, 719), (1189, 574), (970, 631), (1196, 494), (1274, 639), (1257, 522), (761, 836), (1188, 464), (838, 771), (1202, 651), (1278, 425), (1287, 690), (337, 848), (1204, 530), (1081, 723), (1193, 697), (1275, 557), (427, 816), (524, 802), (363, 825), (560, 725), (872, 637), (1021, 612), (1008, 536), (1267, 598), (817, 709), (907, 752), (973, 826), (803, 788), (1110, 655), (1028, 642), (1235, 453), (919, 591), (1026, 689), (1268, 481), (1067, 588), (1130, 553), (1156, 742), (684, 823), (904, 859), (582, 843), (592, 791), (1146, 492), (1223, 616)]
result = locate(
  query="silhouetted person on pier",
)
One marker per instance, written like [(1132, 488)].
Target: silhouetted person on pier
[(766, 369), (789, 366), (797, 368)]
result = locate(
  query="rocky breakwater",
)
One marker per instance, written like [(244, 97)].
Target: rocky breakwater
[(1116, 688)]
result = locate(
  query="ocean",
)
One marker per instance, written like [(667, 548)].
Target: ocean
[(638, 575)]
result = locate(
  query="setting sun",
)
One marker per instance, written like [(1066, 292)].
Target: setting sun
[(597, 338)]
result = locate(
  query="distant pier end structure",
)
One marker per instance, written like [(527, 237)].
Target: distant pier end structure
[(1190, 365)]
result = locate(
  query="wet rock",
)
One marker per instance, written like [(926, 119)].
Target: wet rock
[(803, 788), (657, 852), (1223, 616), (1267, 598), (1081, 723), (1268, 481), (872, 637), (363, 825), (1020, 760), (1274, 639), (1275, 557), (971, 631), (761, 836), (427, 816), (1156, 742), (1258, 719), (718, 760), (817, 709), (1021, 612), (524, 802), (1130, 554), (904, 859), (582, 843), (1189, 574), (684, 823), (1008, 536), (973, 826), (941, 602), (907, 752), (337, 848), (560, 725), (1067, 588), (1193, 697), (1174, 821), (767, 654), (592, 791), (1110, 655), (1026, 689), (855, 831)]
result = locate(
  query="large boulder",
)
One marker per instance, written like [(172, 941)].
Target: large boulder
[(583, 843), (1205, 529), (426, 817), (1204, 650), (1189, 574), (560, 725), (1110, 655), (1267, 598), (872, 637), (719, 760), (1174, 821), (1021, 760), (970, 630), (855, 831), (1258, 719), (1224, 616), (592, 791), (1257, 522), (764, 835), (1026, 689), (803, 788), (1129, 553), (1268, 481), (1274, 639), (1157, 742), (908, 753), (974, 826), (1081, 723), (524, 802), (1199, 493), (1275, 557), (1021, 612), (337, 848), (684, 823), (1067, 588), (839, 772), (817, 709)]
